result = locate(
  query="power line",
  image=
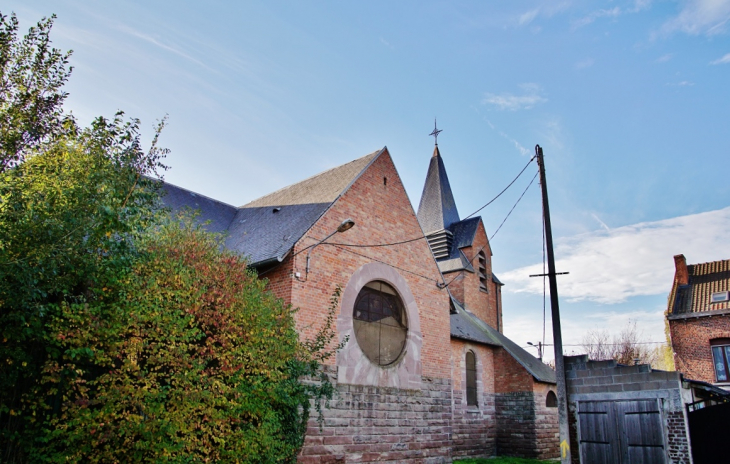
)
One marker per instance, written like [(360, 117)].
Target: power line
[(500, 193), (603, 344), (513, 207)]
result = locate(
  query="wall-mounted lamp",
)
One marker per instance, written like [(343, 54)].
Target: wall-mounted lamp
[(346, 225)]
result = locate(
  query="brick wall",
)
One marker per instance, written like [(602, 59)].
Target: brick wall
[(382, 214), (509, 375), (485, 305), (547, 432), (473, 427), (691, 344)]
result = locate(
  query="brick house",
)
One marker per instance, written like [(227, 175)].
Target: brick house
[(426, 373), (698, 312)]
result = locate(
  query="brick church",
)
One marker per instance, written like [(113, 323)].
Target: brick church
[(426, 374)]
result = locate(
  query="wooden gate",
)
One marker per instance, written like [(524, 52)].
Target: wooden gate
[(621, 432)]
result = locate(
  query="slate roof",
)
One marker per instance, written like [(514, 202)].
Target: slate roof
[(466, 326), (437, 209), (704, 280), (267, 228), (218, 213), (463, 236)]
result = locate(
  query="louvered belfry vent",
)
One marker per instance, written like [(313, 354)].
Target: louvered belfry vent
[(440, 243)]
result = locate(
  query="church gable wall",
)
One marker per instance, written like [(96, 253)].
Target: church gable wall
[(371, 419), (378, 204)]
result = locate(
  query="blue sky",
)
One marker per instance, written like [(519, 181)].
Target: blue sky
[(629, 99)]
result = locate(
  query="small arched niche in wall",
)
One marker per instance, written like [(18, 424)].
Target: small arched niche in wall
[(552, 400)]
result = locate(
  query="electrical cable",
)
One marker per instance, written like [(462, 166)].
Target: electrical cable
[(514, 206), (505, 189)]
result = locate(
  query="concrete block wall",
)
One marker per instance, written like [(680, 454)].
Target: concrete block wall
[(607, 381)]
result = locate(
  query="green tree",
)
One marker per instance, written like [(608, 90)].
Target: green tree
[(205, 367), (126, 336), (70, 217), (32, 74)]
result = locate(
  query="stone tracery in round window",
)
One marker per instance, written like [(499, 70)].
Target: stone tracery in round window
[(380, 323)]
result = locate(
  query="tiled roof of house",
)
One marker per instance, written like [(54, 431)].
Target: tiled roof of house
[(693, 297), (437, 209), (266, 229), (466, 326)]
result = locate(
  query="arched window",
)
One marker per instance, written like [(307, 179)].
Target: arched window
[(552, 400), (471, 379), (380, 323), (483, 272), (720, 358)]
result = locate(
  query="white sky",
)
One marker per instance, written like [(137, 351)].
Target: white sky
[(629, 100)]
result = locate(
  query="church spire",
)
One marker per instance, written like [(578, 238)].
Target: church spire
[(437, 209)]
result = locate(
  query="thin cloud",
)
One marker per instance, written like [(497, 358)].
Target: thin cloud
[(612, 266), (707, 17), (587, 63), (507, 101), (602, 224), (681, 84), (593, 16), (724, 60), (523, 151), (663, 58), (527, 17), (615, 12), (153, 41)]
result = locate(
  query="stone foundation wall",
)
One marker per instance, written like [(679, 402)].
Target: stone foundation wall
[(380, 424), (515, 414), (473, 427)]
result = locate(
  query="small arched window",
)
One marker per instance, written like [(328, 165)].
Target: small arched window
[(552, 400), (483, 272), (471, 379)]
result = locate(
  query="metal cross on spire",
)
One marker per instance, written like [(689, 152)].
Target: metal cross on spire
[(435, 133)]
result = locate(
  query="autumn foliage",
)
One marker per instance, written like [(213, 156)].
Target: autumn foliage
[(205, 364), (127, 335)]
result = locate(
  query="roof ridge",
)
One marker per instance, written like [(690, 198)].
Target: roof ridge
[(260, 201), (195, 193)]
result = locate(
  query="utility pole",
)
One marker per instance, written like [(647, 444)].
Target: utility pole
[(557, 334)]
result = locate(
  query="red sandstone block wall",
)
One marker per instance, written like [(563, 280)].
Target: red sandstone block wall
[(691, 344)]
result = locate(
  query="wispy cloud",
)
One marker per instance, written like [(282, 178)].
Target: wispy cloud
[(152, 40), (681, 84), (523, 151), (610, 266), (636, 6), (385, 42), (530, 97), (664, 58), (708, 17), (724, 60), (591, 17), (587, 63), (528, 16)]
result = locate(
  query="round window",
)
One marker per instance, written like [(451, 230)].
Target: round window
[(380, 323)]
